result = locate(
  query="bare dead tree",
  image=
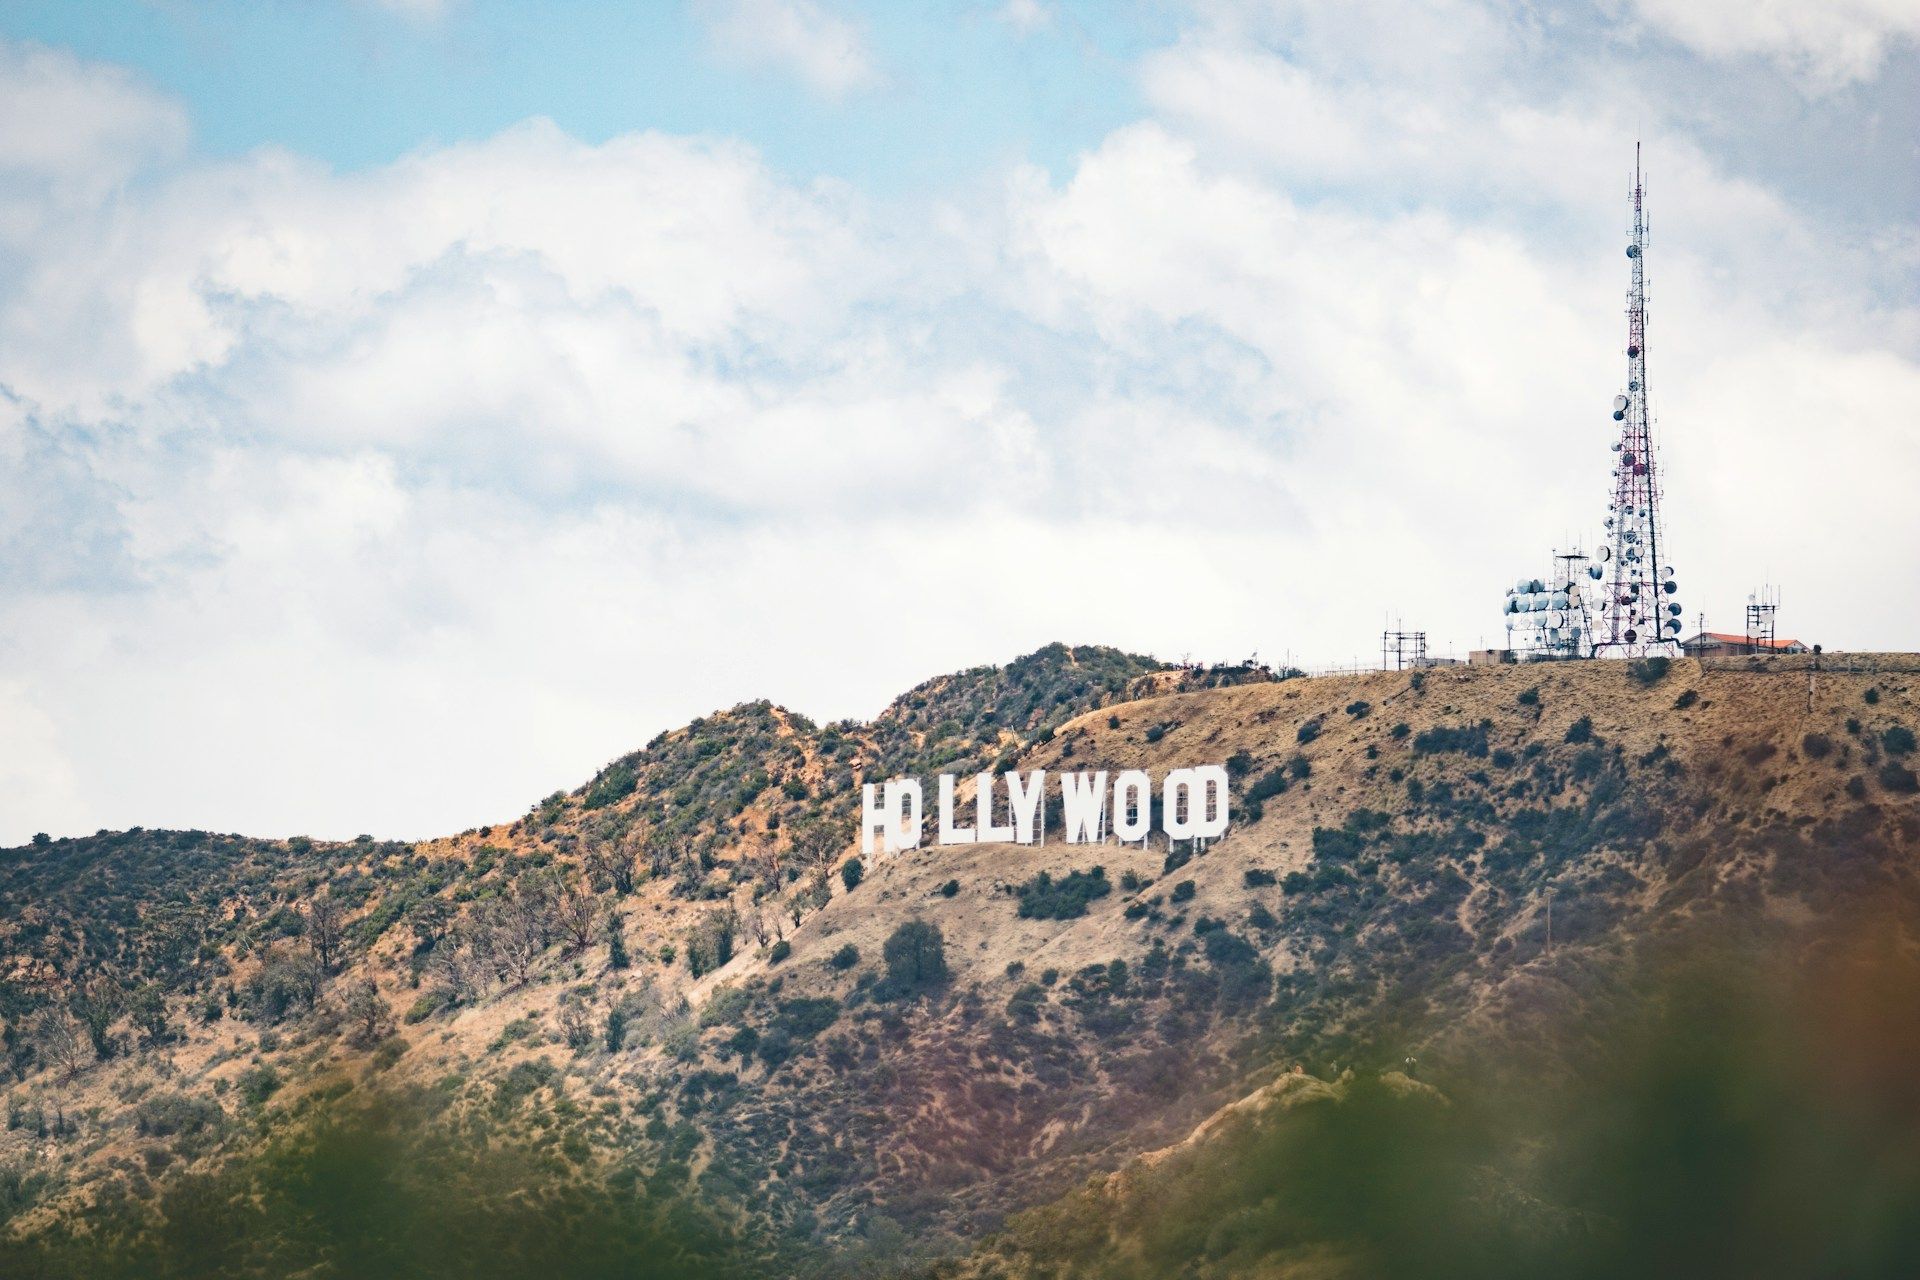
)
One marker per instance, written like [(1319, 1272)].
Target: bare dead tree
[(820, 840), (616, 862), (325, 926), (758, 926), (62, 1040), (576, 1023), (516, 932), (453, 966), (576, 913)]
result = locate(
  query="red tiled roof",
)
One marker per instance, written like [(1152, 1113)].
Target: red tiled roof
[(1733, 638)]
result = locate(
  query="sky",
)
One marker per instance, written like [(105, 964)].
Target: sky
[(407, 406)]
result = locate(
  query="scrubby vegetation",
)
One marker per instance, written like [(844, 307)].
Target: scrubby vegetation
[(1044, 898), (654, 981)]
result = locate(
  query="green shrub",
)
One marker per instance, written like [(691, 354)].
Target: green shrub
[(1898, 740), (1184, 891), (1530, 697), (1470, 739), (779, 951), (1044, 898), (165, 1115), (1257, 877), (1899, 779), (257, 1084), (1649, 671), (950, 889), (1580, 731), (615, 783), (845, 958), (852, 872), (429, 1003), (915, 955)]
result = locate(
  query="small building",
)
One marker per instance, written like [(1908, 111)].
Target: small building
[(1723, 644), (1489, 657)]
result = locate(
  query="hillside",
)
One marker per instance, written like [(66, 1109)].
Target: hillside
[(668, 980)]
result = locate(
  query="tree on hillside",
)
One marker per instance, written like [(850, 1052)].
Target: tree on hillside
[(325, 923), (148, 1007), (513, 932), (616, 862), (710, 941), (818, 840), (98, 1005), (575, 912), (367, 1012), (455, 965), (916, 955), (62, 1041)]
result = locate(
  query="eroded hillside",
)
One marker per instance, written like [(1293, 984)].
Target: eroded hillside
[(670, 978)]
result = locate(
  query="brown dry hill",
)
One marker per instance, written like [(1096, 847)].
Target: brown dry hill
[(844, 1079)]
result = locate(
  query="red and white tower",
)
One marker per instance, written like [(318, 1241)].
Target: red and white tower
[(1639, 610)]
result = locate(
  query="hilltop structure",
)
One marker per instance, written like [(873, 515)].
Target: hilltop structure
[(1620, 602)]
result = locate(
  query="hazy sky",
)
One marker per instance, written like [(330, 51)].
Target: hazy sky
[(406, 407)]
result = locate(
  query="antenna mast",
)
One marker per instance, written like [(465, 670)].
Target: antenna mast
[(1638, 614)]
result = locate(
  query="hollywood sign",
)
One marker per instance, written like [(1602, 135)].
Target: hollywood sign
[(1193, 806)]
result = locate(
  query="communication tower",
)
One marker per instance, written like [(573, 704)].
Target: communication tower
[(1400, 650), (1761, 608), (1548, 618), (1638, 612)]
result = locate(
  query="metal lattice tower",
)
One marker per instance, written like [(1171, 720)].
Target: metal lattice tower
[(1639, 613), (1761, 608)]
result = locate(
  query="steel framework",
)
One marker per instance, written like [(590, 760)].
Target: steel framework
[(1639, 615), (1400, 650)]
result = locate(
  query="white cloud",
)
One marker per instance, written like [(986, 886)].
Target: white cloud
[(1026, 16), (393, 500), (1827, 44), (825, 51), (71, 132), (420, 10)]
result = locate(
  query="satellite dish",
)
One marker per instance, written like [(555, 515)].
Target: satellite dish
[(1667, 572), (1639, 468), (1633, 349), (1633, 384), (1669, 586), (1616, 446), (1554, 619), (1633, 251), (1619, 415), (1673, 625), (1603, 554), (1594, 573), (1674, 609), (1632, 635), (1619, 403)]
